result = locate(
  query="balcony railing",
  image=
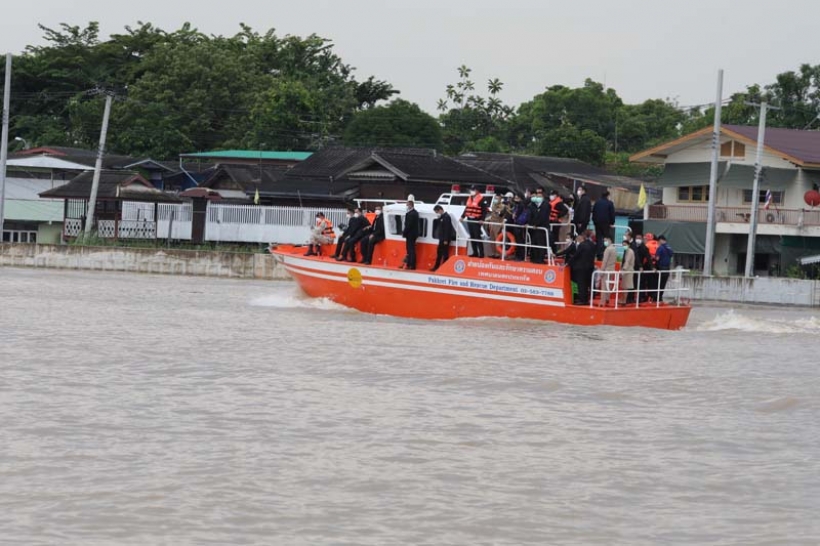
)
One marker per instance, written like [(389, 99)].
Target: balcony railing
[(737, 215)]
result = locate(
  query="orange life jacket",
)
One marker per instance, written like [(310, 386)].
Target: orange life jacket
[(652, 246), (554, 209), (327, 230), (473, 210)]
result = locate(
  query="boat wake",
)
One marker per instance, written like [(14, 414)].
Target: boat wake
[(745, 323), (295, 299)]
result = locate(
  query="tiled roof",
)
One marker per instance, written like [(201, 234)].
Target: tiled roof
[(409, 164), (123, 185), (530, 171), (799, 144)]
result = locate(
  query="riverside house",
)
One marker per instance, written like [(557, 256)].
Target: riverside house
[(788, 227)]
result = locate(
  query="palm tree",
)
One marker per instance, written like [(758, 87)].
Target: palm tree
[(463, 71), (494, 86), (442, 105)]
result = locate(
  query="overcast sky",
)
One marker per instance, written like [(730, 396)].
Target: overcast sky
[(641, 48)]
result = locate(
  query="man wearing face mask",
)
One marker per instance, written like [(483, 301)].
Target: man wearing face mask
[(360, 226), (609, 282), (474, 213), (540, 219), (443, 229), (337, 255), (410, 234), (375, 235), (583, 210), (643, 264)]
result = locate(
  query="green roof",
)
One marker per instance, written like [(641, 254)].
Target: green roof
[(252, 154)]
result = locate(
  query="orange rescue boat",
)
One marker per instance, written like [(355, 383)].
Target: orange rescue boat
[(465, 286)]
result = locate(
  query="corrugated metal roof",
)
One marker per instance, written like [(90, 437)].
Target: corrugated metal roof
[(33, 210), (797, 143), (252, 154), (46, 162), (807, 260)]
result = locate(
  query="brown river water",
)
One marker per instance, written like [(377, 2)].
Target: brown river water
[(141, 409)]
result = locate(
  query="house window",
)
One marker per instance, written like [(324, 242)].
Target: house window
[(733, 149), (777, 197), (693, 194)]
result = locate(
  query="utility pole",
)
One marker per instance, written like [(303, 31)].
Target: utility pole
[(709, 250), (95, 184), (4, 146), (750, 248)]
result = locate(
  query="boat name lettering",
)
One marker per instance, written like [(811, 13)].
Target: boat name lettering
[(504, 267), (495, 287)]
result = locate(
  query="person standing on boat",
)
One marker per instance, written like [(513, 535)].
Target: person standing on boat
[(520, 217), (410, 234), (583, 210), (474, 213), (582, 266), (603, 216), (540, 220), (558, 215), (609, 280), (627, 275), (643, 264), (663, 259), (497, 213), (443, 228), (375, 235), (321, 234)]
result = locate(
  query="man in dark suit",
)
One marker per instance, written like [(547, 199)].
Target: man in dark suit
[(583, 210), (540, 219), (375, 235), (582, 265), (603, 216), (443, 228), (360, 226), (410, 234)]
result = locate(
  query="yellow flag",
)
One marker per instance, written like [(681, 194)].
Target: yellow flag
[(256, 197), (642, 198)]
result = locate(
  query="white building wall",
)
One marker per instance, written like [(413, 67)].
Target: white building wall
[(701, 152)]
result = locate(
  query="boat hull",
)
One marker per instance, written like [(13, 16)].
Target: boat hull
[(466, 288)]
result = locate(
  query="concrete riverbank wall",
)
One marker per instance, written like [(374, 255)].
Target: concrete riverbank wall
[(144, 260), (766, 290)]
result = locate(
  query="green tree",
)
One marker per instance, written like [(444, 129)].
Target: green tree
[(569, 141), (400, 123)]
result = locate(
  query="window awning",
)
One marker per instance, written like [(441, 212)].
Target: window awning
[(807, 260)]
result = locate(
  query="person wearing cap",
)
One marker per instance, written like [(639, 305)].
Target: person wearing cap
[(663, 259), (603, 216), (474, 213), (321, 234), (583, 210), (410, 234)]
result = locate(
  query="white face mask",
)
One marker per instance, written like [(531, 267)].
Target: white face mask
[(473, 192), (638, 241), (580, 193), (357, 215), (438, 215), (378, 212), (318, 220)]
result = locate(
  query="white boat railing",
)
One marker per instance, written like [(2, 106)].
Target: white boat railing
[(646, 288), (507, 230)]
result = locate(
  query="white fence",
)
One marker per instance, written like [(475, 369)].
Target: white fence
[(223, 223), (251, 224)]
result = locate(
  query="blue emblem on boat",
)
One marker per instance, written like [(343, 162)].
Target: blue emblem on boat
[(550, 276), (460, 267)]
